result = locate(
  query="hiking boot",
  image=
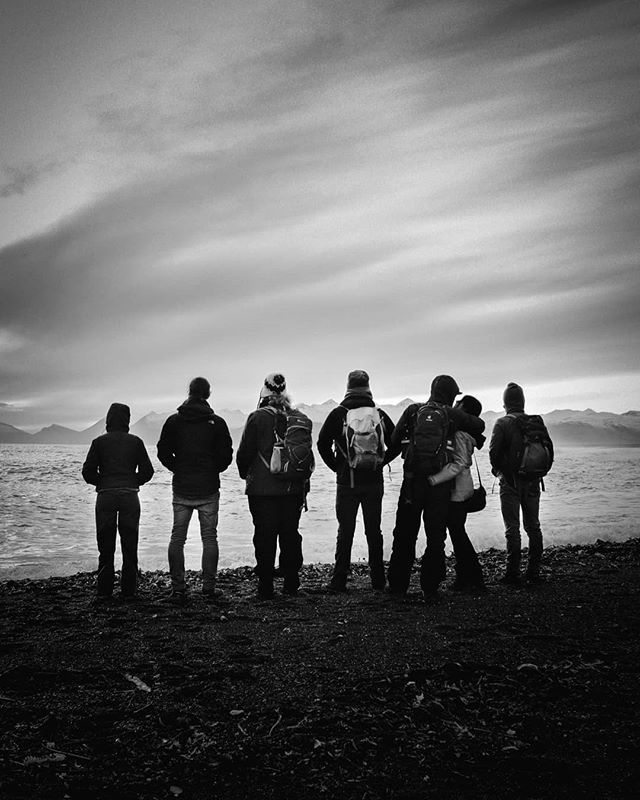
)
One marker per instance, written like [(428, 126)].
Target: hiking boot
[(510, 580), (175, 598)]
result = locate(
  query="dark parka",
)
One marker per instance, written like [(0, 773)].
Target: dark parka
[(505, 448), (332, 443), (117, 459), (195, 444), (257, 440)]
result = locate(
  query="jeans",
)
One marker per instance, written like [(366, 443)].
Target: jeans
[(348, 500), (183, 508), (523, 495), (418, 500), (468, 569), (117, 511), (275, 520)]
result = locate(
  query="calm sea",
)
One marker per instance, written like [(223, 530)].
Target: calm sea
[(47, 522)]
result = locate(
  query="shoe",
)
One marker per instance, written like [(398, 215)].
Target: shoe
[(104, 600), (129, 598), (293, 591), (176, 598), (510, 580), (336, 588)]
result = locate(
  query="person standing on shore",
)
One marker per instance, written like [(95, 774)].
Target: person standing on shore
[(468, 570), (425, 432), (117, 464), (195, 445), (352, 444), (276, 487), (511, 458)]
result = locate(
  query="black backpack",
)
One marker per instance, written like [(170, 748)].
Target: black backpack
[(535, 456), (292, 455), (429, 441)]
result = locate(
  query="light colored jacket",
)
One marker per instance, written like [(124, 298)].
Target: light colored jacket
[(459, 468)]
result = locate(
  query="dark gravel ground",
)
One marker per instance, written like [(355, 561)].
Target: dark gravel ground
[(517, 693)]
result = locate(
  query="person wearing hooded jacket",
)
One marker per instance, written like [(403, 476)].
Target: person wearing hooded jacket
[(275, 504), (468, 570), (117, 464), (195, 445), (515, 492), (354, 487), (419, 500)]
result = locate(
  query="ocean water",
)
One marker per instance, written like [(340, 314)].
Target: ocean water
[(47, 511)]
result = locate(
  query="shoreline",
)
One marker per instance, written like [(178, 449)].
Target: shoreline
[(514, 693)]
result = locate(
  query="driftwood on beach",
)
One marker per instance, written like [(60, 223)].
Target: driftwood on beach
[(515, 693)]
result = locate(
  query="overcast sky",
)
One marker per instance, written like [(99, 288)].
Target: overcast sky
[(232, 188)]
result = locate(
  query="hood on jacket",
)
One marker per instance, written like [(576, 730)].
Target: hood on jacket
[(118, 417), (444, 390), (513, 398), (357, 398), (195, 409)]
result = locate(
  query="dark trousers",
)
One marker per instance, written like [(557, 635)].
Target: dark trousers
[(348, 501), (419, 502), (523, 495), (117, 511), (275, 521), (468, 569)]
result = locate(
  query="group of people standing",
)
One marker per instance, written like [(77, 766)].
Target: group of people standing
[(436, 440)]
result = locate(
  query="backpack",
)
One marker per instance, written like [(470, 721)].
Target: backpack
[(292, 455), (364, 435), (535, 457), (429, 442)]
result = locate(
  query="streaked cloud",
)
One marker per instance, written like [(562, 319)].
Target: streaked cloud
[(410, 187)]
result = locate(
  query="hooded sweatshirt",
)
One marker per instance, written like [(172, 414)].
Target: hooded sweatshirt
[(195, 444), (117, 459), (332, 444)]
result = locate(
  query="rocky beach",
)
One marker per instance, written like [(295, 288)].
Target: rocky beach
[(527, 693)]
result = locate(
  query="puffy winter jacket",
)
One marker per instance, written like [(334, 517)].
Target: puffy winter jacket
[(117, 459)]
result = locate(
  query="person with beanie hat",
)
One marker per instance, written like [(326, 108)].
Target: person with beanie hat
[(516, 493), (195, 445), (117, 464), (360, 485), (419, 500), (468, 570), (275, 503)]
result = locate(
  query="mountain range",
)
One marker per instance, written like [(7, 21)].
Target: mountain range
[(567, 427)]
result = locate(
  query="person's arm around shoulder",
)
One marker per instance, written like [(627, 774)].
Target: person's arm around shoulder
[(166, 445), (91, 464), (330, 431), (224, 444), (462, 452), (145, 467), (466, 422)]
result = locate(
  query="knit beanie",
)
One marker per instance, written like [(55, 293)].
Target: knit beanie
[(274, 385), (513, 397), (358, 380), (471, 405)]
